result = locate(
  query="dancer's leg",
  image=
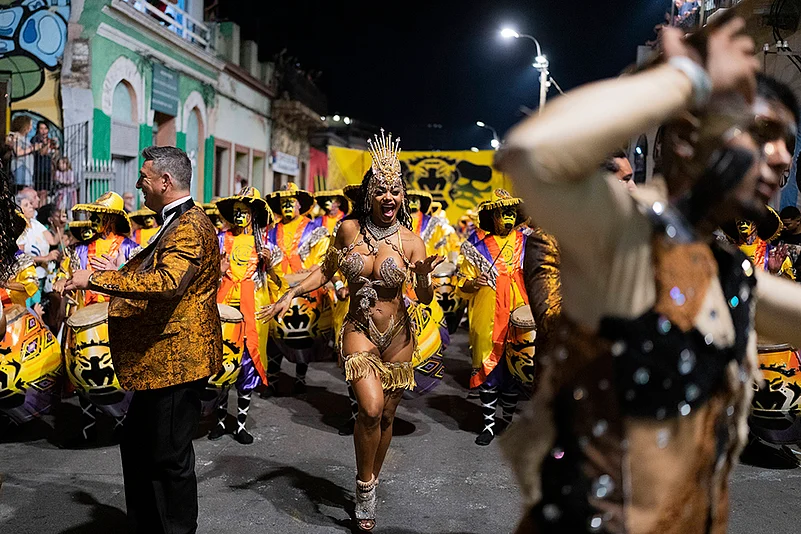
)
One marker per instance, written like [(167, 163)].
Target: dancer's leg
[(367, 431), (391, 401)]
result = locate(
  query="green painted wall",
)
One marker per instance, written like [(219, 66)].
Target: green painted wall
[(208, 170), (180, 140), (101, 136), (145, 139)]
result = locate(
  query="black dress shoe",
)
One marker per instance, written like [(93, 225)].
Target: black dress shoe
[(485, 438), (761, 454), (217, 432), (299, 388), (243, 437)]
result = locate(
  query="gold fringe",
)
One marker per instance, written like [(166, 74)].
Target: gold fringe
[(363, 364), (398, 375)]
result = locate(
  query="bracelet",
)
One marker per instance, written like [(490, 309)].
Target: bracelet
[(422, 280), (339, 284), (702, 84)]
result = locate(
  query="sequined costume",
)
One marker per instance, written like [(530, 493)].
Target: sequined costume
[(642, 402), (396, 375)]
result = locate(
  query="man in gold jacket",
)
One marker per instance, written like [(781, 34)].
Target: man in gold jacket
[(166, 340)]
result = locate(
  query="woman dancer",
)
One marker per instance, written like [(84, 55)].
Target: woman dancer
[(377, 252)]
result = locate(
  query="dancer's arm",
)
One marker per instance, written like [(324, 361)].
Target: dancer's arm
[(319, 274), (553, 158)]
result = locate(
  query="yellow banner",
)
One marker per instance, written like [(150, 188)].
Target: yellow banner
[(458, 180)]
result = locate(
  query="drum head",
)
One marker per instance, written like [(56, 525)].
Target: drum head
[(764, 348), (90, 316), (229, 314), (522, 317), (445, 268)]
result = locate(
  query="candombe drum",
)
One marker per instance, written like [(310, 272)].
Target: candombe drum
[(776, 406), (453, 306), (307, 326), (520, 344), (88, 360), (233, 335), (30, 366), (429, 368)]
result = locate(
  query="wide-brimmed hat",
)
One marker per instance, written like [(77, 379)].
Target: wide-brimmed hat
[(252, 198), (344, 201), (500, 199), (139, 216), (425, 199), (769, 226), (77, 227), (304, 198), (109, 203)]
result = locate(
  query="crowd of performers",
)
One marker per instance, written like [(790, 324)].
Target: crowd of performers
[(642, 335), (374, 276)]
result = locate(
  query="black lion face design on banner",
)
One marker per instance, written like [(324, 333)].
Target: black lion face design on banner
[(450, 181)]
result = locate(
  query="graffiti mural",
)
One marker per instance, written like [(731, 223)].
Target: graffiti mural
[(458, 180), (33, 34)]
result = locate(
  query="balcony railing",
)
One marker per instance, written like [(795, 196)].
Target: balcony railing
[(175, 20)]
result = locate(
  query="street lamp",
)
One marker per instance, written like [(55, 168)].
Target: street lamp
[(496, 142), (540, 63)]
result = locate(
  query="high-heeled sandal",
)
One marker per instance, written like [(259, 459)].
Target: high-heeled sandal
[(365, 504)]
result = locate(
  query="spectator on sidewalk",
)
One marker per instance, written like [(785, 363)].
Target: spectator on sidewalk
[(66, 190), (21, 151), (43, 158)]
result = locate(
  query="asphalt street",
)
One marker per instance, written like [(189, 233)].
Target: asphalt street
[(298, 475)]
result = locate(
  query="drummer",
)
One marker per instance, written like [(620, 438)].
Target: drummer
[(246, 285), (109, 249), (145, 225), (491, 275), (335, 206), (302, 244)]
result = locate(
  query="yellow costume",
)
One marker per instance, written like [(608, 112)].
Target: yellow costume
[(147, 226), (298, 244)]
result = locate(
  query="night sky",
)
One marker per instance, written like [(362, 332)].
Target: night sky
[(406, 64)]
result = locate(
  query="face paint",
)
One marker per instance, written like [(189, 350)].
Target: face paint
[(327, 204), (242, 215), (149, 222), (289, 208), (414, 204)]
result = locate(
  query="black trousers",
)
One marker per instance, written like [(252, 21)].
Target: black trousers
[(158, 460)]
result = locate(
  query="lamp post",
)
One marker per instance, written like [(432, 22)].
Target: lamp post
[(496, 141), (541, 63)]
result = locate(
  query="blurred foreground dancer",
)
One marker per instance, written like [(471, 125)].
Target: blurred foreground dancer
[(166, 340), (643, 400)]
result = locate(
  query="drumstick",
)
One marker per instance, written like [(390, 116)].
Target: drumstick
[(496, 258)]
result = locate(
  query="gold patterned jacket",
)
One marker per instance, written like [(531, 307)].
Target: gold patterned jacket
[(164, 327)]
